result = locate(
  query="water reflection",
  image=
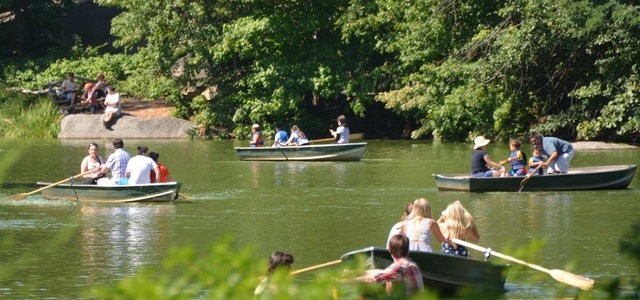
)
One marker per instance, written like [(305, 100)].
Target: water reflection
[(121, 239)]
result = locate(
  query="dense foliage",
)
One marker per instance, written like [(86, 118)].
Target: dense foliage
[(446, 69)]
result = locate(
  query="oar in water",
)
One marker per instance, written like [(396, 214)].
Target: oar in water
[(526, 178), (22, 195), (559, 275)]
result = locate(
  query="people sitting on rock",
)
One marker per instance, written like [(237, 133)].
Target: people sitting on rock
[(97, 91), (112, 107)]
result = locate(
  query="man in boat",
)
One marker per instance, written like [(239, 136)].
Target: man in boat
[(403, 270), (558, 152), (140, 166), (116, 162)]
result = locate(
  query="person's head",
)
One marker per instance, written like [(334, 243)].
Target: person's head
[(279, 259), (154, 156), (421, 208), (294, 128), (407, 211), (537, 152), (535, 139), (515, 145), (456, 219), (342, 120), (118, 143), (100, 76), (92, 149), (143, 150), (71, 76), (398, 246), (111, 89), (255, 127), (479, 142), (88, 86)]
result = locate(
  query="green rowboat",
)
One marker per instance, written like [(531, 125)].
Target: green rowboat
[(152, 192), (581, 178), (446, 273), (328, 152)]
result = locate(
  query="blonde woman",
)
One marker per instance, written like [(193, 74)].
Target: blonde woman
[(457, 222), (420, 227)]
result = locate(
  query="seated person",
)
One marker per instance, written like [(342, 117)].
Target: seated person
[(113, 109), (280, 139), (97, 91), (70, 89), (517, 159), (297, 137), (256, 136), (535, 161)]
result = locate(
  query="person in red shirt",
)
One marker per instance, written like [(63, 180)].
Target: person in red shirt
[(164, 172)]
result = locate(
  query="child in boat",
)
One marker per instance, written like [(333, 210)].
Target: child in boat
[(517, 159), (535, 160), (403, 277)]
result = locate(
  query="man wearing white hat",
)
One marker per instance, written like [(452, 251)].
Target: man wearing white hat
[(480, 160)]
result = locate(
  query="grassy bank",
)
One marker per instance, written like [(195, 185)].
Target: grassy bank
[(28, 116)]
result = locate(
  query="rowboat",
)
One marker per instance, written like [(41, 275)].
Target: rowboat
[(580, 178), (443, 272), (152, 192), (328, 152)]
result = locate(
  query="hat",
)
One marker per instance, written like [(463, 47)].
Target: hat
[(255, 126), (480, 141)]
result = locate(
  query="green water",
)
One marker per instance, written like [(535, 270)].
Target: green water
[(317, 211)]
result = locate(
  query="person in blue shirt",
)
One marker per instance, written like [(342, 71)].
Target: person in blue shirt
[(281, 137), (535, 160), (558, 152), (517, 159)]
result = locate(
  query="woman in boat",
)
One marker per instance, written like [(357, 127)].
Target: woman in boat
[(480, 160), (277, 260), (457, 222), (399, 228), (91, 162), (256, 136), (297, 137), (420, 227)]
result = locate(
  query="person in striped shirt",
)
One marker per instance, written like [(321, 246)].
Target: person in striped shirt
[(403, 276)]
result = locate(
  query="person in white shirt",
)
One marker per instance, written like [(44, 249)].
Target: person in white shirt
[(70, 89), (341, 134), (112, 109), (140, 166)]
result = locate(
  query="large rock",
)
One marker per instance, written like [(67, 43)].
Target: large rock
[(83, 126)]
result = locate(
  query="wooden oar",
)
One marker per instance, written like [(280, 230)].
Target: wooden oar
[(559, 275), (22, 195), (526, 178), (352, 137), (307, 269)]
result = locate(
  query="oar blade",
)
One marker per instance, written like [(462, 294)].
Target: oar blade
[(572, 279)]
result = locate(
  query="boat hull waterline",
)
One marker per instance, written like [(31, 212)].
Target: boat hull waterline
[(153, 192), (326, 152)]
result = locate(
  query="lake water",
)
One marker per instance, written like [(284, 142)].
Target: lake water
[(315, 210)]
